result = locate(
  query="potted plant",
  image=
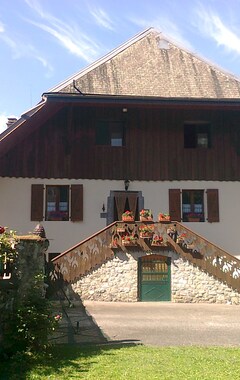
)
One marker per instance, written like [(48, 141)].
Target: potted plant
[(146, 215), (181, 238), (164, 217), (157, 240), (129, 239), (127, 216), (146, 230)]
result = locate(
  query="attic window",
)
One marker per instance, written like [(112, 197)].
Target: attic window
[(110, 133), (163, 44), (197, 135)]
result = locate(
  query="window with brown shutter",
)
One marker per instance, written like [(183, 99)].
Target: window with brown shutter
[(213, 205), (175, 204), (57, 203), (76, 203), (37, 203)]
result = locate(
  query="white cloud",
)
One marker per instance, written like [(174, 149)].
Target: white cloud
[(210, 24), (166, 26), (20, 49), (67, 34), (102, 18)]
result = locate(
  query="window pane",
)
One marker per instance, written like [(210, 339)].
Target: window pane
[(102, 133), (57, 199), (193, 205), (196, 135), (116, 131)]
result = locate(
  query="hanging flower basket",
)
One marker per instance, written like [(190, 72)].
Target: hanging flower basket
[(146, 231), (157, 241), (129, 240)]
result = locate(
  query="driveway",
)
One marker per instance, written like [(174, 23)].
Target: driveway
[(167, 324)]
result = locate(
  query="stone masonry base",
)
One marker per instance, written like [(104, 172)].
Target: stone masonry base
[(117, 280)]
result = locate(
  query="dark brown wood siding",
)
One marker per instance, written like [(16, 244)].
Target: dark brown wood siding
[(64, 146)]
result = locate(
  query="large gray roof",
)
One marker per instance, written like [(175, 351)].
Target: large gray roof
[(150, 64)]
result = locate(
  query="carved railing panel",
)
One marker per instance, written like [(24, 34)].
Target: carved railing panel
[(207, 256), (80, 259)]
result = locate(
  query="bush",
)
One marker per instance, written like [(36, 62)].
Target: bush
[(26, 319)]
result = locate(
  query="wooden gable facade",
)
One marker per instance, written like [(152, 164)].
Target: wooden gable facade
[(153, 147)]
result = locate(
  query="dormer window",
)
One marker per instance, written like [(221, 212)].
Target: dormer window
[(197, 135)]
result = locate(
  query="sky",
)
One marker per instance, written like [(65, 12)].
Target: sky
[(43, 42)]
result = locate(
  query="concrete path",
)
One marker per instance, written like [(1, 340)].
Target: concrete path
[(167, 324)]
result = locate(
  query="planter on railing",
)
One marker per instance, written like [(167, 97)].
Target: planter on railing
[(164, 218), (127, 216), (146, 215)]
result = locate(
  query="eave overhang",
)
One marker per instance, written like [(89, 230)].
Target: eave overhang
[(53, 102)]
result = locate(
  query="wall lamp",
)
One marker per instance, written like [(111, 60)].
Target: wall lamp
[(126, 184)]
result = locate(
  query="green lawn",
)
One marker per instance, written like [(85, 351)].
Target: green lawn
[(126, 362)]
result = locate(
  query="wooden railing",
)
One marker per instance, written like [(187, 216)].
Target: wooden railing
[(83, 257), (98, 248)]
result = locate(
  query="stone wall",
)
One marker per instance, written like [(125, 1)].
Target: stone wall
[(190, 284), (117, 280)]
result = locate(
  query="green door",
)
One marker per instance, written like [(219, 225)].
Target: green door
[(155, 278)]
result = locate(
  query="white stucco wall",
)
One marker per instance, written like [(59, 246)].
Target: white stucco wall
[(15, 209)]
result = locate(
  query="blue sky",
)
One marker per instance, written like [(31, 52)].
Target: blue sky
[(43, 42)]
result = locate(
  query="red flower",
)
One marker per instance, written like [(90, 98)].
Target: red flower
[(2, 230)]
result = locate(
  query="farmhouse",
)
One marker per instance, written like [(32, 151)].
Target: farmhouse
[(149, 126)]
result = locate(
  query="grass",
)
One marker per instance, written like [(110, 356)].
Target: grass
[(125, 362)]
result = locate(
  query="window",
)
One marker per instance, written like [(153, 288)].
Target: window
[(196, 135), (110, 133), (184, 204), (62, 203), (57, 203), (193, 205)]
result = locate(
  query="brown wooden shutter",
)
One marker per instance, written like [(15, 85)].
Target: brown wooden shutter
[(213, 205), (37, 203), (76, 203), (120, 200), (175, 204)]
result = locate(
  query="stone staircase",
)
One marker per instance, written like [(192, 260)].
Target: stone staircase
[(100, 247)]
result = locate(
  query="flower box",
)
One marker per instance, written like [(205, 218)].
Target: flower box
[(157, 241), (126, 242), (127, 219), (121, 229), (146, 215), (146, 231), (164, 217), (146, 219), (127, 216), (146, 235), (193, 219)]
